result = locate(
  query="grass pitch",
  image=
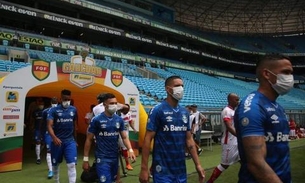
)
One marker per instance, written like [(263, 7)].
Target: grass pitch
[(33, 173)]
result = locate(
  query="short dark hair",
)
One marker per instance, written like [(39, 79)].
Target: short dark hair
[(170, 79), (194, 105), (101, 97), (108, 96), (66, 92), (54, 100), (270, 58)]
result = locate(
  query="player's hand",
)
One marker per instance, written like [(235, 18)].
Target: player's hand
[(144, 177), (86, 166), (201, 173), (57, 141), (132, 156)]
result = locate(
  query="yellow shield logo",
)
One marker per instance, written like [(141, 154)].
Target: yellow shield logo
[(116, 77), (40, 69)]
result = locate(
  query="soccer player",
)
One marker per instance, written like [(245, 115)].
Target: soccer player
[(292, 126), (46, 136), (106, 127), (62, 129), (128, 122), (229, 154), (261, 125), (37, 115), (168, 125), (197, 120)]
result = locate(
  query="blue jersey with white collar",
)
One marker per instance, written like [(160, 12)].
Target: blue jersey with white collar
[(258, 116), (63, 121), (170, 125), (106, 130)]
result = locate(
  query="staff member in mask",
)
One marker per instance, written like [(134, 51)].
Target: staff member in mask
[(168, 125), (261, 125), (106, 128), (62, 128)]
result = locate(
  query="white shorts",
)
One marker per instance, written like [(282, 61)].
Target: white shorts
[(229, 154), (292, 133)]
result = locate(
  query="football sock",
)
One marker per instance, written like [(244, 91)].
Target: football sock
[(37, 149), (71, 172), (49, 162), (56, 173), (216, 173)]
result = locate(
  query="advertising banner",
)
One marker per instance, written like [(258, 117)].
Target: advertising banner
[(81, 75)]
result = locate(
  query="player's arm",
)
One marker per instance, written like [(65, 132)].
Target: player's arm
[(193, 151), (56, 140), (255, 151), (149, 135), (229, 127), (131, 123), (202, 118), (75, 121), (122, 106), (87, 147), (40, 127), (127, 145), (193, 125)]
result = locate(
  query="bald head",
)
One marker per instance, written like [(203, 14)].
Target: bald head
[(233, 100)]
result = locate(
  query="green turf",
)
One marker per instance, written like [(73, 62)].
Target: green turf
[(33, 173)]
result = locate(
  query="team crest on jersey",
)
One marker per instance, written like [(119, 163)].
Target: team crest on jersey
[(184, 118), (103, 178), (245, 121), (71, 113), (158, 168), (98, 160), (117, 125)]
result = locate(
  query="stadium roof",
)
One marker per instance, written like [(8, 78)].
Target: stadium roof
[(241, 16)]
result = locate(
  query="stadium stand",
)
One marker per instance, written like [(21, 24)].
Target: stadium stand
[(206, 83)]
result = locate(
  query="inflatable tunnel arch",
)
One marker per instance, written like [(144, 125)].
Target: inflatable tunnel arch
[(47, 79)]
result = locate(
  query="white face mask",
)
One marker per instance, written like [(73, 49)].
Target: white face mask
[(283, 84), (66, 104), (53, 105), (112, 108), (178, 92)]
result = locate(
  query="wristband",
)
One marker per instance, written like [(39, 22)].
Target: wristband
[(86, 158), (130, 150)]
